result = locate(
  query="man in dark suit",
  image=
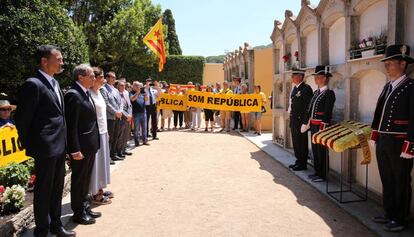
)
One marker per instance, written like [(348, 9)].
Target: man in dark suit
[(319, 116), (393, 133), (83, 142), (40, 121), (300, 97)]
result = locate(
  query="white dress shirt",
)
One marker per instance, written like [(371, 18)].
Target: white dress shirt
[(54, 83)]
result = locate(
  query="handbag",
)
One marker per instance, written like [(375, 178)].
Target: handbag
[(263, 109)]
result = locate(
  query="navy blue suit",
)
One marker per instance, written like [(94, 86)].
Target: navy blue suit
[(41, 125)]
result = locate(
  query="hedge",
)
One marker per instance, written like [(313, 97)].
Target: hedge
[(178, 69)]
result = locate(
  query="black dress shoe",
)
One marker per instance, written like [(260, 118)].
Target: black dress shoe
[(112, 162), (62, 232), (121, 155), (94, 214), (117, 158), (155, 138), (84, 219), (127, 153), (393, 226), (292, 165), (146, 144), (299, 168), (381, 219)]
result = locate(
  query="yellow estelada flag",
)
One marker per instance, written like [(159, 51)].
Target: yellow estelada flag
[(155, 41)]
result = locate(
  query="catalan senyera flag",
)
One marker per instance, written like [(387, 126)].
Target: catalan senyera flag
[(155, 41)]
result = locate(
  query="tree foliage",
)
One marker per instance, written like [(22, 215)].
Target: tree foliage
[(24, 25), (172, 38), (121, 41), (215, 59)]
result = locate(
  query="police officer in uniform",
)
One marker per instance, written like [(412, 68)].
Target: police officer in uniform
[(299, 100), (393, 133), (319, 117)]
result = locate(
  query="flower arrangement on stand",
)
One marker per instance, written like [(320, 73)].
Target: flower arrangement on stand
[(286, 60), (296, 63)]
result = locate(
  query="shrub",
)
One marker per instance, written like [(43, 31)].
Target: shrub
[(12, 199), (30, 165), (178, 69), (14, 174)]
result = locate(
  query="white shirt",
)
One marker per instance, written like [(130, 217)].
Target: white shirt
[(396, 82), (100, 111), (323, 88), (56, 87), (84, 90), (154, 95)]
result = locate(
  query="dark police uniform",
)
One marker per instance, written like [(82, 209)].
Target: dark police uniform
[(393, 131), (300, 98), (320, 115)]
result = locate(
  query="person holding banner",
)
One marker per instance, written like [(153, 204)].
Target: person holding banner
[(258, 115), (225, 115), (196, 112), (40, 121), (236, 114), (187, 113), (5, 112), (178, 115), (244, 114), (217, 118), (208, 113)]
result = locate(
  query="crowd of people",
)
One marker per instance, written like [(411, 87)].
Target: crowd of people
[(89, 125)]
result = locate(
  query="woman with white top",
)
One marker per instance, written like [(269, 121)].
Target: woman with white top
[(196, 112), (100, 176)]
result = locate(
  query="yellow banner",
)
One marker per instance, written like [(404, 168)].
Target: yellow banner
[(172, 102), (10, 147), (227, 102)]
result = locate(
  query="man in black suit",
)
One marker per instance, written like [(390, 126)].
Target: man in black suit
[(300, 97), (83, 142), (40, 121), (393, 133), (319, 116)]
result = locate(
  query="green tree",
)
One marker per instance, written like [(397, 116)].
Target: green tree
[(121, 41), (92, 16), (172, 38), (24, 25), (215, 59)]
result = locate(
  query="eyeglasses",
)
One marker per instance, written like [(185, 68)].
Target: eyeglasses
[(4, 109)]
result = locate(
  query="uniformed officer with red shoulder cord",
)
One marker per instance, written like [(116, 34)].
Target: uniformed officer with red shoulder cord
[(393, 133)]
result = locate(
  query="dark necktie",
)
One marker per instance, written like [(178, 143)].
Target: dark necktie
[(389, 90), (150, 96), (294, 91)]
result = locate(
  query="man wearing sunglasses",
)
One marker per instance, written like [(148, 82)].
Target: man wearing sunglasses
[(5, 111)]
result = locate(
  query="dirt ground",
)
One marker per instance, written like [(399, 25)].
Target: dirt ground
[(213, 184)]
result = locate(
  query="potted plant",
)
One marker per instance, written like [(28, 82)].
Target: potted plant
[(381, 42)]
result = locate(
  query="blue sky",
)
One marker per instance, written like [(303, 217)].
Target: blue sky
[(209, 27)]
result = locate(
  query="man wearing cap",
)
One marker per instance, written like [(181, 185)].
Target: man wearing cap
[(393, 133), (299, 100), (5, 112), (40, 122), (319, 117), (151, 95)]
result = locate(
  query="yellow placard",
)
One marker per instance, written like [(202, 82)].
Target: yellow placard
[(172, 102), (10, 148), (226, 102)]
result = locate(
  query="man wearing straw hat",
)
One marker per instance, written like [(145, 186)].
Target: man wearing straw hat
[(5, 111), (393, 133)]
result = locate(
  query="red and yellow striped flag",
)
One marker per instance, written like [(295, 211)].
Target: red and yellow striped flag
[(155, 41)]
